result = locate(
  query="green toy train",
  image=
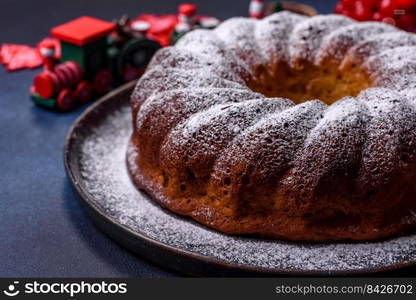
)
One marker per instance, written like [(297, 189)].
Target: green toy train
[(95, 56)]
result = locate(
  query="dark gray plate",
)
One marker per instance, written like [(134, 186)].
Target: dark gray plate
[(95, 163)]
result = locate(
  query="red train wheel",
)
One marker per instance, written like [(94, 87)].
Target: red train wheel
[(83, 92), (65, 100), (101, 82), (44, 85)]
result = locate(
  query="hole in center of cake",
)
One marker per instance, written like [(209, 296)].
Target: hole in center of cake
[(311, 82)]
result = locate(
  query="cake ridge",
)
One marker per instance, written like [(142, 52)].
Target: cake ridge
[(375, 45), (399, 67), (170, 57), (157, 98), (333, 145), (183, 103), (159, 79)]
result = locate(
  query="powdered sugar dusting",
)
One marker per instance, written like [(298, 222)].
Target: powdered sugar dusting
[(211, 130), (390, 116), (104, 177), (394, 68), (266, 145), (374, 45), (272, 34), (237, 35), (339, 41), (221, 65)]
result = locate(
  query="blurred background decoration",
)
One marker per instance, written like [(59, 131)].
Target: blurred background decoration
[(123, 48), (87, 57), (400, 13)]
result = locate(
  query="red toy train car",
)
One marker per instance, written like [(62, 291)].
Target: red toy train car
[(95, 55)]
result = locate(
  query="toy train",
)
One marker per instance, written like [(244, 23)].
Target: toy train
[(95, 56)]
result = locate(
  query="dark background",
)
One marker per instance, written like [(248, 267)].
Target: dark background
[(43, 230)]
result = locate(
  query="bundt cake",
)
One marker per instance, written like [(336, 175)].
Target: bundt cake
[(286, 127)]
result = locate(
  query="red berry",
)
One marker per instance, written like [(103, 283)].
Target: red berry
[(339, 8), (346, 8), (406, 22), (405, 4), (362, 12), (348, 4), (376, 16), (387, 8)]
